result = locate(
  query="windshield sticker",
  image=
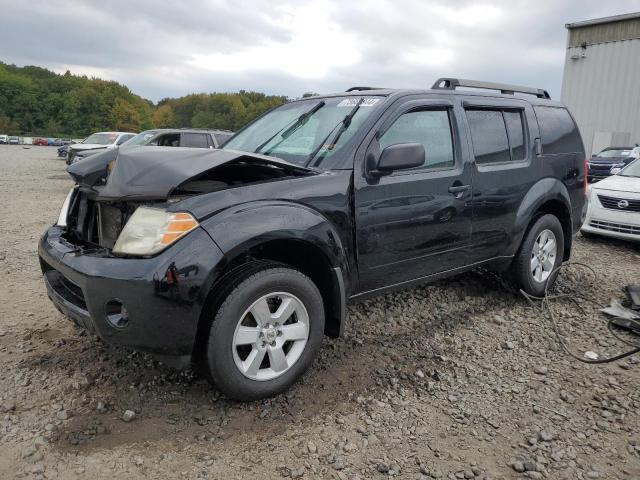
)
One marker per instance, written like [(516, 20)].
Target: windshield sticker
[(352, 102)]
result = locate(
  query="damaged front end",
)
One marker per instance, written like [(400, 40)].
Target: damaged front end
[(111, 186), (125, 260)]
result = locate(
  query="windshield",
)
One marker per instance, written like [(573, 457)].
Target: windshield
[(631, 170), (141, 139), (101, 138), (615, 152), (300, 132)]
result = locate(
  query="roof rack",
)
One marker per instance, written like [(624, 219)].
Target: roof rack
[(505, 89), (360, 89)]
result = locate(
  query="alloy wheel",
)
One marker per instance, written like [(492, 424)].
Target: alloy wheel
[(543, 256), (270, 337)]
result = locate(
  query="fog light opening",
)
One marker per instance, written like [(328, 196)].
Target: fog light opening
[(116, 313)]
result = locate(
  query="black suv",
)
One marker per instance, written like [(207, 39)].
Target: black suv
[(241, 259)]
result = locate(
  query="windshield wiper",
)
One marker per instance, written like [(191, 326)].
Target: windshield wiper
[(287, 130), (343, 124)]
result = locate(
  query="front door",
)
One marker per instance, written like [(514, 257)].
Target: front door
[(417, 222)]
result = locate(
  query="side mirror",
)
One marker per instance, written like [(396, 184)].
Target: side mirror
[(615, 170), (400, 156)]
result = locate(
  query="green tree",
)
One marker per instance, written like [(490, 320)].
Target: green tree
[(36, 101), (163, 117)]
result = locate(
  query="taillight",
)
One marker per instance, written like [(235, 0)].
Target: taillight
[(586, 175)]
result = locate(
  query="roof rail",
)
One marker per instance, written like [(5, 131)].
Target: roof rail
[(359, 89), (505, 89), (203, 129)]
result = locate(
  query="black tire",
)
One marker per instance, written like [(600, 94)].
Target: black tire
[(521, 267), (248, 287)]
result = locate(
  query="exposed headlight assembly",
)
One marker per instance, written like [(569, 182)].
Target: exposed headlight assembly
[(64, 211), (151, 230)]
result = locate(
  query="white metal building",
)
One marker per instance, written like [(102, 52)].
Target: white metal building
[(601, 81)]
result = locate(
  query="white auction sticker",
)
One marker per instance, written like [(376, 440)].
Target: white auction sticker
[(352, 102)]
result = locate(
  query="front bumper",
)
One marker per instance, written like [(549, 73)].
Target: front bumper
[(612, 223), (163, 296)]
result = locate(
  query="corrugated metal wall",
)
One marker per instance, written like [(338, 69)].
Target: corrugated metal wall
[(602, 91), (605, 32)]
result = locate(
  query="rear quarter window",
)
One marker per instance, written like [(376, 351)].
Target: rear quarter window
[(558, 132)]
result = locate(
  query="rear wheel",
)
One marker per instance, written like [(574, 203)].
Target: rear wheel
[(265, 334), (540, 255)]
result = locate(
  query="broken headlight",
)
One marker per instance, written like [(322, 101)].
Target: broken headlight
[(151, 230)]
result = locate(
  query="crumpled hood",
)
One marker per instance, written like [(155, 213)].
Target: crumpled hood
[(151, 173)]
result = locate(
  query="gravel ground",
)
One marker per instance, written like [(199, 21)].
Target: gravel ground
[(459, 379)]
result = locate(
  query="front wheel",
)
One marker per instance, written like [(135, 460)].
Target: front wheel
[(265, 334), (540, 255)]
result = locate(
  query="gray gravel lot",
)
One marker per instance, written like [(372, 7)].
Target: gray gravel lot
[(459, 379)]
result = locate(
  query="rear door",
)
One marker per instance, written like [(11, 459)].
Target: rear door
[(417, 222), (501, 136)]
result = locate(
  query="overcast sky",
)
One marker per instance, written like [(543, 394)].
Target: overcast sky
[(171, 48)]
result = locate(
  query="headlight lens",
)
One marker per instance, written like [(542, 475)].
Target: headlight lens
[(150, 230), (64, 211)]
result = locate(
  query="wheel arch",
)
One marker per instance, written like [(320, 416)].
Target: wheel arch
[(548, 196), (251, 237)]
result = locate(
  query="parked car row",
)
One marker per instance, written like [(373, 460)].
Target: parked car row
[(9, 140), (601, 164), (15, 140), (182, 137)]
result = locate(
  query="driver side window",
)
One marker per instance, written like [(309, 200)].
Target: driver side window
[(431, 128)]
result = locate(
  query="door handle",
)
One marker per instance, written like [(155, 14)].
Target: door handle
[(458, 190)]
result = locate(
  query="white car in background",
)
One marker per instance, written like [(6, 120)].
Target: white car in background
[(95, 143), (614, 205)]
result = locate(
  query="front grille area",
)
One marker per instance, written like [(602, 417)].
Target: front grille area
[(599, 168), (615, 227), (68, 290), (613, 203)]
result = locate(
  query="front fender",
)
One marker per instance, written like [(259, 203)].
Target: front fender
[(242, 227), (239, 228)]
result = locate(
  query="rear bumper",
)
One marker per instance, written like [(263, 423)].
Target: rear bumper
[(163, 296)]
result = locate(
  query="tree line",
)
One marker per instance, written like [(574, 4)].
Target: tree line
[(35, 101)]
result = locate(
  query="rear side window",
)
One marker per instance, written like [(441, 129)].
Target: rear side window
[(431, 128), (558, 132), (489, 136), (497, 135), (194, 140), (515, 130)]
